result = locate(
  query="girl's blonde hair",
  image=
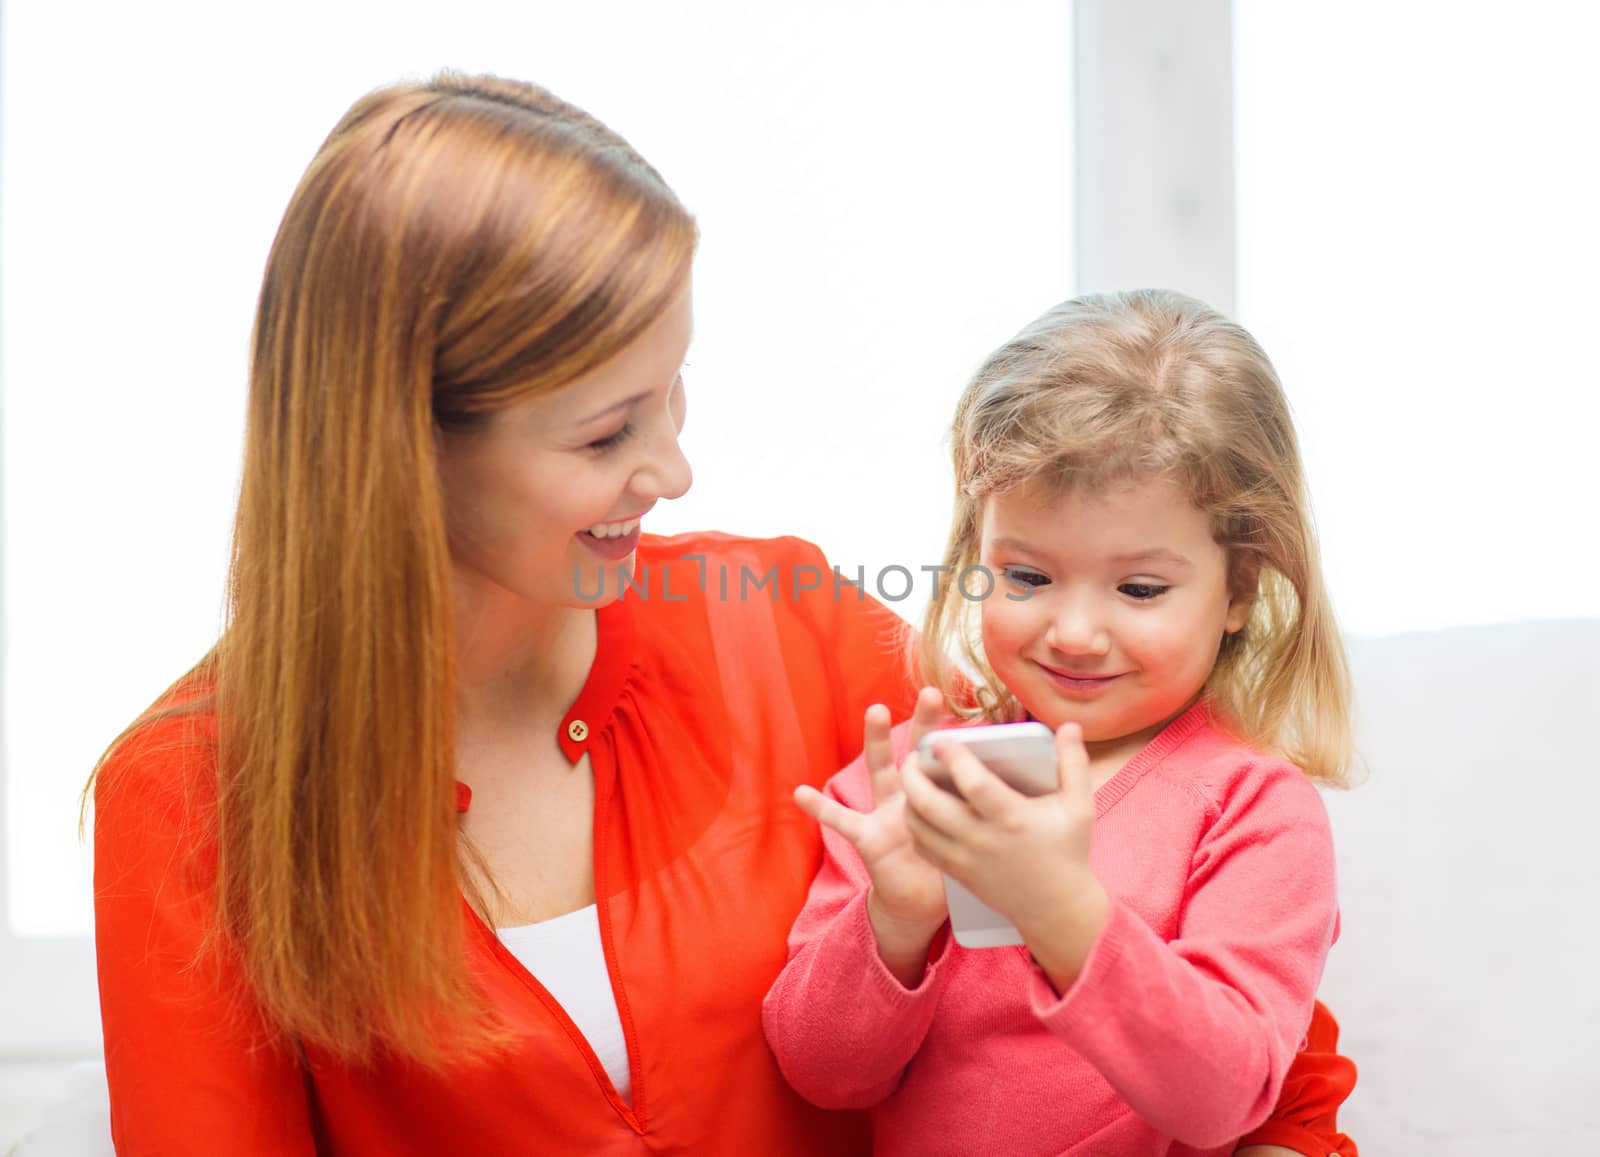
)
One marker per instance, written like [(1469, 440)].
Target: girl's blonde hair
[(1126, 387), (454, 246)]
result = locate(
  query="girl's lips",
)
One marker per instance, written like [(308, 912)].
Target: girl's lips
[(1079, 685), (612, 549)]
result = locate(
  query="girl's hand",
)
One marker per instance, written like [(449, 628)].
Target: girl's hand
[(906, 902), (1025, 858)]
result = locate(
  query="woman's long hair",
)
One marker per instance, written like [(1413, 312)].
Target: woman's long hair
[(1112, 388), (454, 246)]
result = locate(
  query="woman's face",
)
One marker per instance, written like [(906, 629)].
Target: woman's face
[(550, 493)]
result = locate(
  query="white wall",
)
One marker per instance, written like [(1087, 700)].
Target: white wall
[(884, 192)]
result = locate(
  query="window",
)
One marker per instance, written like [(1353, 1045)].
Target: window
[(1417, 253), (884, 194)]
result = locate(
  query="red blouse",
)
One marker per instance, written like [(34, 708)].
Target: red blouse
[(700, 715)]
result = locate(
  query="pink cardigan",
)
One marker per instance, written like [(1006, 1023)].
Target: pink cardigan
[(1178, 1032)]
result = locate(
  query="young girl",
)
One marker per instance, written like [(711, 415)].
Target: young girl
[(1127, 470)]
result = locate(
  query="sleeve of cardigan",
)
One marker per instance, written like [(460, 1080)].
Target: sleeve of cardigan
[(1197, 1033), (1320, 1080), (842, 1027), (188, 1061)]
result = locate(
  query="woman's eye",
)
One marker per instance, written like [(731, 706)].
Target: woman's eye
[(610, 441), (1024, 577), (1143, 592)]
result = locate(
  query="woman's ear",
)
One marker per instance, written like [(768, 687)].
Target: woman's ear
[(1244, 581)]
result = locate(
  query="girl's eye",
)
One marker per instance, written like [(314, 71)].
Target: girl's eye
[(1143, 592), (611, 441), (1024, 577)]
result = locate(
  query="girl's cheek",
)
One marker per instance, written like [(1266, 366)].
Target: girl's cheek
[(993, 630), (1003, 637)]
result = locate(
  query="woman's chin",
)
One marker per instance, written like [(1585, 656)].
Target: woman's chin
[(595, 584)]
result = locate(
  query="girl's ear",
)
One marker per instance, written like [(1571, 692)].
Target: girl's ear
[(1243, 583)]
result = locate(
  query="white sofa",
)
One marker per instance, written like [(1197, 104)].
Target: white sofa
[(1465, 979)]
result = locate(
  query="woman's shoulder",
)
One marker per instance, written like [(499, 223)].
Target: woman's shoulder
[(165, 761), (676, 578), (790, 574), (716, 558), (759, 604)]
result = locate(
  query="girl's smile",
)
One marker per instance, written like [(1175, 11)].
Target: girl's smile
[(1118, 603), (1083, 685)]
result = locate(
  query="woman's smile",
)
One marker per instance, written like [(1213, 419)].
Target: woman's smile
[(612, 541)]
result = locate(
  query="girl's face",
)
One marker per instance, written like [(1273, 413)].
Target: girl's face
[(1127, 602), (551, 492)]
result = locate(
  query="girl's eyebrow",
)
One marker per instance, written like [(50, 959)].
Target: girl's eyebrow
[(1013, 544), (1154, 554)]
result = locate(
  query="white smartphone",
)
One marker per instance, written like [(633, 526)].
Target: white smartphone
[(1024, 756)]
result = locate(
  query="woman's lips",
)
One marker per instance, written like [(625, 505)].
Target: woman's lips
[(612, 549)]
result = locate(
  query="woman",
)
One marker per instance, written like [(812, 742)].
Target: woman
[(464, 398)]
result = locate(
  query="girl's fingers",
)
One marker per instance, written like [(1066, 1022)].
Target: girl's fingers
[(879, 749), (928, 714), (852, 825), (1072, 765), (985, 792), (932, 844), (929, 802), (879, 746)]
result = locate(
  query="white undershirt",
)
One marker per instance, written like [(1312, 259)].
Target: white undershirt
[(566, 957)]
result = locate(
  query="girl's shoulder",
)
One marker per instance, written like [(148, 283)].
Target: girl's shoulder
[(1227, 774)]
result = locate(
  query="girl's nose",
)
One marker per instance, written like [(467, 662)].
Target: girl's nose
[(1076, 630)]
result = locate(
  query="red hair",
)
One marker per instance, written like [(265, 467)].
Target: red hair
[(454, 246)]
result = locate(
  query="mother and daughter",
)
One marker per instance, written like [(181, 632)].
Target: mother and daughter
[(435, 853)]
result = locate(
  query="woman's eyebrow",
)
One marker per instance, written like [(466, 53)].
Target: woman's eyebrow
[(613, 408), (624, 404)]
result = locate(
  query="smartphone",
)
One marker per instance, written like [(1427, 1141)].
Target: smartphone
[(1024, 756), (1021, 754)]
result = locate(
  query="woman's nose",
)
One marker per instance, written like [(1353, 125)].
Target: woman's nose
[(666, 474)]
